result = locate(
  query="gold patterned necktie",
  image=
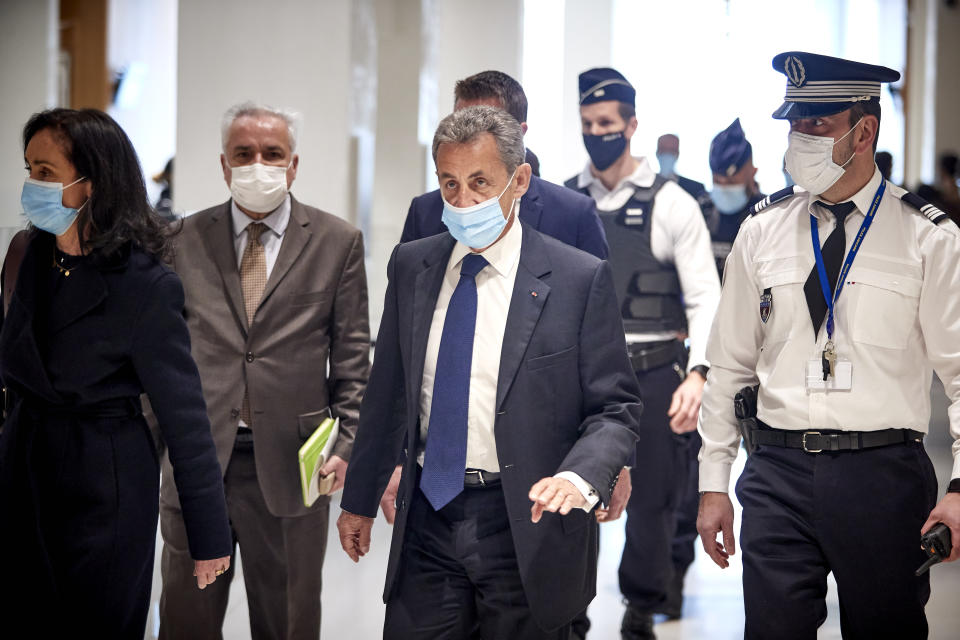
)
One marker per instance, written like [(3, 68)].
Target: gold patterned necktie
[(253, 270), (253, 280)]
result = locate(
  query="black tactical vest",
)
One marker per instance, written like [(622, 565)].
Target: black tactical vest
[(648, 290), (724, 228)]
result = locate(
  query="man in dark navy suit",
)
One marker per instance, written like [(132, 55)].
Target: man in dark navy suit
[(501, 361), (548, 208)]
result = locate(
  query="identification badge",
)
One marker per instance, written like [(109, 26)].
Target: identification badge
[(633, 217), (840, 380), (766, 305)]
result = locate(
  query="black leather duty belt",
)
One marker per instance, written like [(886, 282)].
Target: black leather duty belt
[(650, 355), (480, 479), (820, 441)]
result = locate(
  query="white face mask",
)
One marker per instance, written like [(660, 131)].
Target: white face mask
[(809, 160), (259, 187)]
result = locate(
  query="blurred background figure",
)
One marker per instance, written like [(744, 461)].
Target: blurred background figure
[(734, 192), (668, 152), (944, 193), (884, 162), (164, 204)]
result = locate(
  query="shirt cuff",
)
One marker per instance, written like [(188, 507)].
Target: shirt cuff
[(715, 476), (584, 487)]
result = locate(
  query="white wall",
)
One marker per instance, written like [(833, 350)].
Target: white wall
[(399, 165), (922, 86), (474, 37), (142, 38), (28, 57), (286, 53)]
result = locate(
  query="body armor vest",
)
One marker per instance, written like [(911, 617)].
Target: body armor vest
[(724, 228), (648, 290)]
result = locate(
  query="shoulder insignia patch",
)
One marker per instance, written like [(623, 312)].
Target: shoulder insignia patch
[(773, 198), (930, 212)]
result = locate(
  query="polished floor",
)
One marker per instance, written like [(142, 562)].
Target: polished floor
[(713, 607)]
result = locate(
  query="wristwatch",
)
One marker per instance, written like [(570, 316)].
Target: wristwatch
[(701, 369)]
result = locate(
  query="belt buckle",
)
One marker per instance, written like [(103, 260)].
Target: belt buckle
[(479, 474), (803, 441)]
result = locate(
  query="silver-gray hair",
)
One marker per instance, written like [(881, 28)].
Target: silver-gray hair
[(465, 125), (254, 109)]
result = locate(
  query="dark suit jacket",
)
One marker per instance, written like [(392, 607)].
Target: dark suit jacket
[(313, 315), (569, 217), (76, 375), (566, 400)]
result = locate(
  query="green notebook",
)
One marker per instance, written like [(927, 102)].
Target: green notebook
[(312, 456)]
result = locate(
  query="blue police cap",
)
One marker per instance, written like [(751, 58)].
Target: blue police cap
[(821, 85), (597, 85), (729, 150)]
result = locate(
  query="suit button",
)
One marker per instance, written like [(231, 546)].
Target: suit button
[(234, 413), (249, 356)]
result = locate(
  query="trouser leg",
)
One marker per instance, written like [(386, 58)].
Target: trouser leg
[(282, 557), (646, 564), (784, 569), (874, 502)]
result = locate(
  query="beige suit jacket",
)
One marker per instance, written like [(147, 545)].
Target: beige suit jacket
[(308, 347)]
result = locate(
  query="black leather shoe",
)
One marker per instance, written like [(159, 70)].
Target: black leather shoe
[(637, 625)]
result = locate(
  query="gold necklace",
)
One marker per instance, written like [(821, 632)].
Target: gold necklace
[(65, 271)]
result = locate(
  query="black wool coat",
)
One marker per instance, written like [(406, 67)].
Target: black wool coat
[(79, 471)]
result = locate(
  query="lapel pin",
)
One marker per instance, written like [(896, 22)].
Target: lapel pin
[(533, 293)]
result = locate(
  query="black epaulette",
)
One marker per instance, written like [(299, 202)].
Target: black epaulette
[(773, 198), (930, 212)]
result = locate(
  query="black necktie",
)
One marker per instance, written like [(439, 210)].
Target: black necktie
[(833, 250)]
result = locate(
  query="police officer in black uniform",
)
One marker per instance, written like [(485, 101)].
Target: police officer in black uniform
[(667, 285), (840, 298), (735, 189)]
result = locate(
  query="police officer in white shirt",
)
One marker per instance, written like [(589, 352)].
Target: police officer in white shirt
[(667, 286), (840, 298)]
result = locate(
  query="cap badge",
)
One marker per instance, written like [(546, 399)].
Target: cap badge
[(795, 71), (598, 93)]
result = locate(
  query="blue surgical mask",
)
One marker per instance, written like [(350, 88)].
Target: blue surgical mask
[(477, 226), (668, 163), (730, 198), (42, 203), (604, 150)]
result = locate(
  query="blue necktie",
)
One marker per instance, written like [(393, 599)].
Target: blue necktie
[(445, 456)]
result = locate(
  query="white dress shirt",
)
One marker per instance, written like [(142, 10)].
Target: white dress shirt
[(494, 292), (271, 238), (898, 314), (679, 236)]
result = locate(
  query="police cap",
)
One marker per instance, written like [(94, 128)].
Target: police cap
[(597, 85), (821, 85), (729, 150)]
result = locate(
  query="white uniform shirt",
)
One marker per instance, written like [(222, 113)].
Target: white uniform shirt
[(271, 238), (679, 236), (494, 291), (898, 314)]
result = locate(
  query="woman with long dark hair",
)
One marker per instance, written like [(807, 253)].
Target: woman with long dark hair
[(95, 320)]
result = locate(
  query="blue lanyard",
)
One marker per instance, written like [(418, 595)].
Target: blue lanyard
[(822, 269)]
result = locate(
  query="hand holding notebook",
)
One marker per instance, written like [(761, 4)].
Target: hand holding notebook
[(313, 455)]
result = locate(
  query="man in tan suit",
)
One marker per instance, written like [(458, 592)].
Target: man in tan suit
[(276, 303)]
